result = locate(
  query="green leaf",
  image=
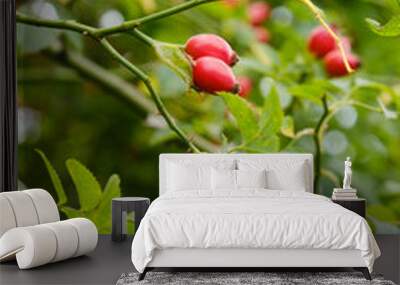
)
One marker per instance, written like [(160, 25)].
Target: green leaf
[(244, 114), (313, 91), (272, 114), (55, 179), (287, 128), (87, 187), (264, 144), (102, 214), (71, 212), (369, 84), (176, 59), (390, 29)]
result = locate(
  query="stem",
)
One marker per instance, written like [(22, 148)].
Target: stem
[(143, 37), (317, 13), (144, 78), (318, 139), (70, 25), (129, 25)]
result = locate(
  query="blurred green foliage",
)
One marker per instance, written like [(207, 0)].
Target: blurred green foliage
[(95, 204), (66, 112)]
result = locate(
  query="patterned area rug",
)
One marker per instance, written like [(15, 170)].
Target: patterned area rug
[(243, 278)]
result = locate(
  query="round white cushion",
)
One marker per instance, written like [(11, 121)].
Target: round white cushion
[(40, 244)]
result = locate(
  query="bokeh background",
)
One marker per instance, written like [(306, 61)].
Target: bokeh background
[(71, 95)]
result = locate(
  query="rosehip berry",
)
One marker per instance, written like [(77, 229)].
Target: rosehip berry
[(258, 12), (245, 86), (321, 42), (210, 45), (262, 34), (212, 75), (334, 64)]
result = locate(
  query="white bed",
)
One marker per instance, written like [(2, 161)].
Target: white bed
[(248, 227)]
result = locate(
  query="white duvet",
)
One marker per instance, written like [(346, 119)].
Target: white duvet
[(250, 219)]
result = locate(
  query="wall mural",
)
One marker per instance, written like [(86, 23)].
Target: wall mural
[(104, 87)]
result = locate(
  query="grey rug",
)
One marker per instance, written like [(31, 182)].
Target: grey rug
[(236, 278)]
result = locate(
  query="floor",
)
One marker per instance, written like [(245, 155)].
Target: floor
[(103, 266), (110, 260)]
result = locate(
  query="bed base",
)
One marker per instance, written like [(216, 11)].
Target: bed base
[(250, 259), (363, 270)]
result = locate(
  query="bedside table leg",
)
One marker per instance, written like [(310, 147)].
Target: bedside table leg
[(116, 232), (364, 271)]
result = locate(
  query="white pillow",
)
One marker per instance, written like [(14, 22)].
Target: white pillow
[(223, 179), (282, 173), (251, 178), (226, 179), (193, 174), (183, 177)]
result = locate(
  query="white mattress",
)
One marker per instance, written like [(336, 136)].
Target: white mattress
[(253, 219)]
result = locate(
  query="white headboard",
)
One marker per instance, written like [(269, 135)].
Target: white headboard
[(308, 158)]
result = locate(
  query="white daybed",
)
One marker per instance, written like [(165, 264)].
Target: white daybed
[(243, 228)]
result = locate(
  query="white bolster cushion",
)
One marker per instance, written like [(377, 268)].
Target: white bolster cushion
[(46, 208), (23, 208), (87, 235), (40, 244), (7, 219)]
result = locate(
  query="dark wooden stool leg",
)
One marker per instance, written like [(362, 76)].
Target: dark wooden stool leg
[(364, 271)]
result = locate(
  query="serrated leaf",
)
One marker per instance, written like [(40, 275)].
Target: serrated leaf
[(176, 59), (55, 179), (102, 214), (271, 115), (287, 128), (244, 115), (87, 187), (390, 29)]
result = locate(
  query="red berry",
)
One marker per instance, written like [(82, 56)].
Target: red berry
[(258, 12), (262, 34), (245, 86), (212, 75), (334, 64), (321, 42), (210, 45)]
